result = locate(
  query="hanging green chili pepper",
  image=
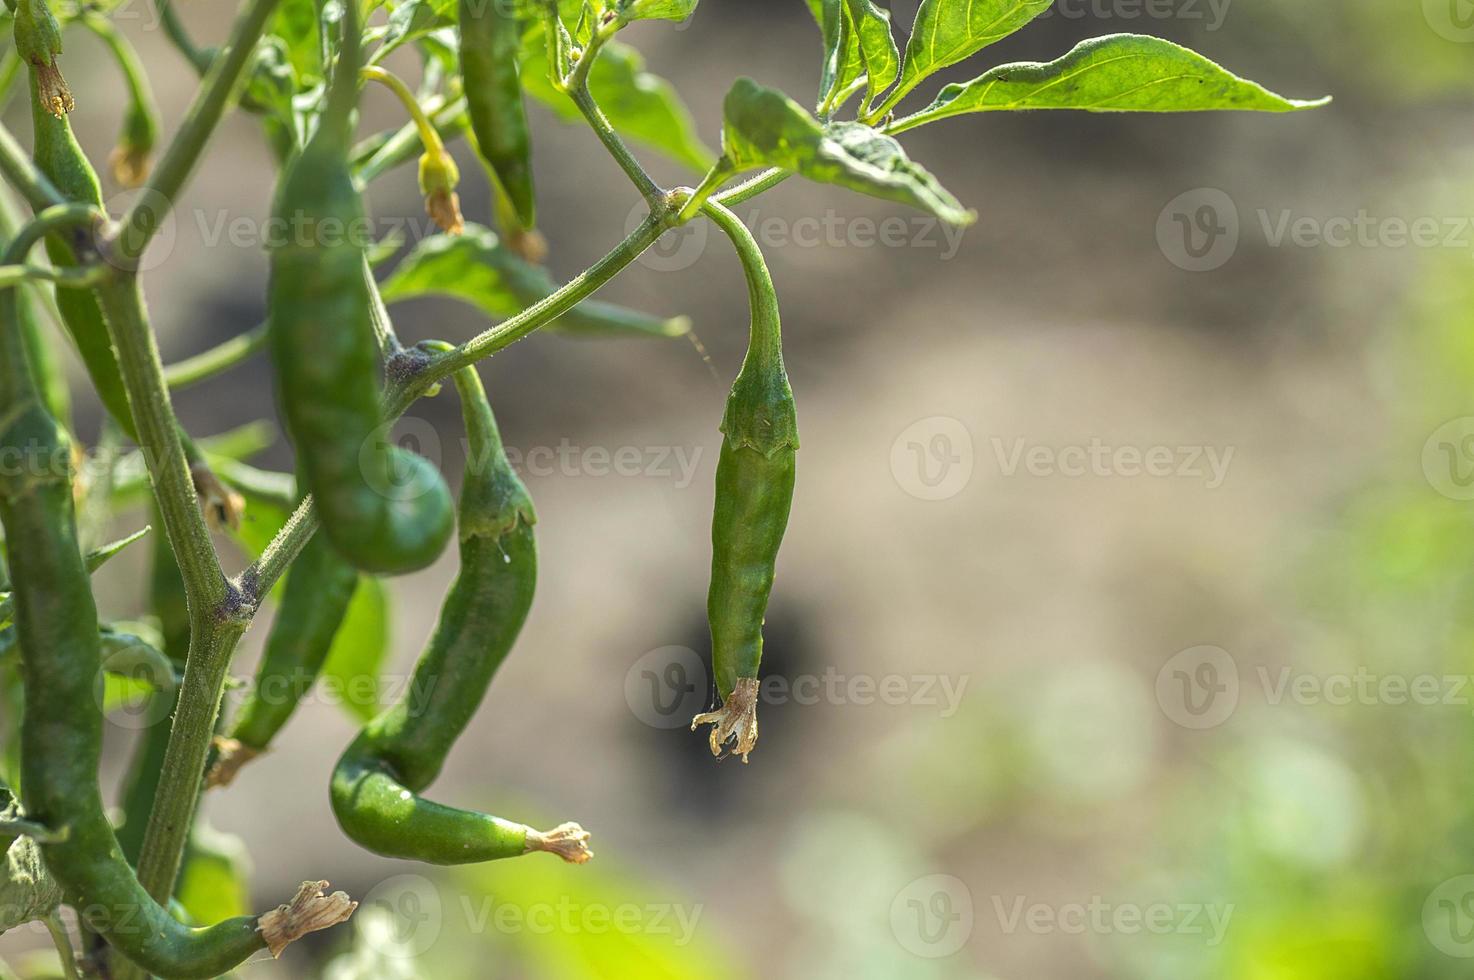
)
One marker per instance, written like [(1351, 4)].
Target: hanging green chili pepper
[(61, 159), (326, 356), (61, 734), (399, 753), (754, 492), (314, 601), (491, 37)]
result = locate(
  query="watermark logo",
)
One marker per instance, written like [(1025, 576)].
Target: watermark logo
[(1452, 20), (666, 687), (1198, 230), (411, 905), (1211, 12), (1448, 917), (1198, 687), (1102, 917), (932, 917), (1448, 459), (932, 459)]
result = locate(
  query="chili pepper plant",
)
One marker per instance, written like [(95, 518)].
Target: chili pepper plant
[(361, 507)]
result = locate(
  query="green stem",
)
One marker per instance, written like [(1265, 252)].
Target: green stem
[(159, 192), (429, 135), (216, 623), (714, 179), (616, 146), (752, 188), (63, 942), (178, 36), (217, 360), (74, 278)]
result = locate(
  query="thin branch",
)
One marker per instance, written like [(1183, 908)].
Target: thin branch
[(18, 170), (158, 194), (217, 360)]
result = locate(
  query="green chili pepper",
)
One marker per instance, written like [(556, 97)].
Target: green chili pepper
[(399, 753), (314, 601), (491, 37), (754, 492), (61, 159), (61, 735), (326, 356)]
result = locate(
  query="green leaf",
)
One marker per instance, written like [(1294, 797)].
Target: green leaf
[(1117, 73), (475, 268), (413, 19), (876, 45), (631, 10), (843, 71), (947, 31), (214, 881), (296, 24), (356, 660), (641, 106), (766, 128)]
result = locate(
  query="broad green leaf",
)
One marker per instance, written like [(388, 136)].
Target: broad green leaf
[(641, 106), (843, 71), (475, 268), (947, 31), (1117, 73), (214, 883), (871, 25), (356, 660), (766, 128), (631, 10)]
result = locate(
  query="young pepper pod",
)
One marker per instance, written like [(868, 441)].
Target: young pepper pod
[(491, 40), (376, 783), (754, 493), (386, 510)]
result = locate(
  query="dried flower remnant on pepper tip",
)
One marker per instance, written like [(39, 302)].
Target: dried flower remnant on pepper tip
[(55, 95), (231, 756), (223, 507), (528, 243), (438, 179), (308, 911), (569, 841), (130, 165), (735, 720)]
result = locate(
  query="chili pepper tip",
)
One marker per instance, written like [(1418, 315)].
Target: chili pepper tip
[(735, 721)]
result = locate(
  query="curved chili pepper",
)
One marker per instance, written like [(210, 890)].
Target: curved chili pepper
[(61, 734), (60, 158), (315, 599), (754, 493), (376, 783), (326, 356), (491, 38)]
